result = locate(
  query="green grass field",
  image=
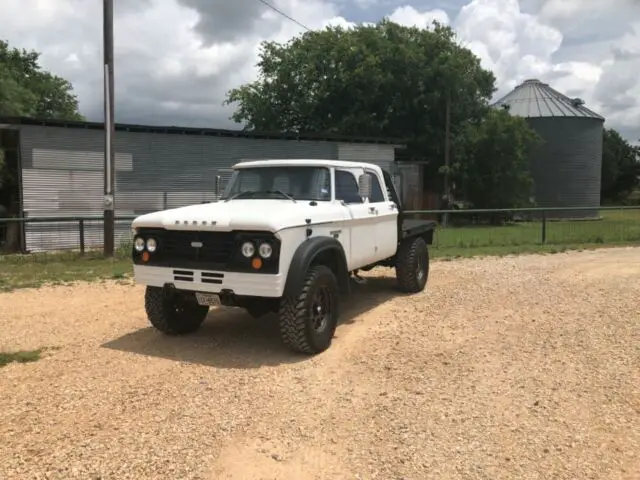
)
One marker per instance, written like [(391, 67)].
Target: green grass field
[(617, 227)]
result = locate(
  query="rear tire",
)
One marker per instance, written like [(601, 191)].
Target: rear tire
[(412, 265), (173, 313), (309, 319)]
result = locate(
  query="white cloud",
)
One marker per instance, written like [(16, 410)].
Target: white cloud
[(513, 44), (175, 59), (516, 45), (410, 17)]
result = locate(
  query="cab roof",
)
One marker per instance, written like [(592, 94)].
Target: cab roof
[(304, 162)]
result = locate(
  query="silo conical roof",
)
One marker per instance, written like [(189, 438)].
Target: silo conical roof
[(534, 99)]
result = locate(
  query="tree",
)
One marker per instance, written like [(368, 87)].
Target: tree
[(384, 80), (27, 90), (620, 167), (494, 169)]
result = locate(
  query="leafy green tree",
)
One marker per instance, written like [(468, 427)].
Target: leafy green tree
[(494, 168), (27, 90), (384, 80), (620, 167)]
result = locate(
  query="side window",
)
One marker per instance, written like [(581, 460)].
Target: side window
[(347, 187), (376, 190)]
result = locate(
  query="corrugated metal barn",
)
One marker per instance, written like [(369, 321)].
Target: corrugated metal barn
[(61, 169), (567, 167)]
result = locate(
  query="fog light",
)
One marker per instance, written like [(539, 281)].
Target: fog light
[(152, 245), (138, 244), (248, 249), (265, 250)]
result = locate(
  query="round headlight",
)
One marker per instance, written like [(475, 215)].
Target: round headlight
[(152, 245), (248, 249), (138, 244), (265, 250)]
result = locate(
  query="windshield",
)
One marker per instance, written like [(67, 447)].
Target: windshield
[(300, 183)]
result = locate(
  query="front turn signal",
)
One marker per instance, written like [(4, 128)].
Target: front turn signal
[(256, 263)]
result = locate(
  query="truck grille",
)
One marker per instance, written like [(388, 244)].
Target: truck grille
[(213, 251), (216, 247)]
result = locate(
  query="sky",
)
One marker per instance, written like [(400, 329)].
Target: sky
[(176, 59)]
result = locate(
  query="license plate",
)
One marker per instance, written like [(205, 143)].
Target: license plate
[(208, 299)]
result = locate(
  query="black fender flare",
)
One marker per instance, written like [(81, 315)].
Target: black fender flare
[(306, 253)]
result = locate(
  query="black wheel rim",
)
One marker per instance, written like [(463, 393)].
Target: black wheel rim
[(177, 304), (420, 269), (321, 309)]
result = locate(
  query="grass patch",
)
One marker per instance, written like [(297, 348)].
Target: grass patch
[(20, 357), (36, 270), (452, 253)]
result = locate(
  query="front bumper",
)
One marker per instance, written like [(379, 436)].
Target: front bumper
[(250, 284)]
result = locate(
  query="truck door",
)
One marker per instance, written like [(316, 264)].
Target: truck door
[(360, 223), (385, 212)]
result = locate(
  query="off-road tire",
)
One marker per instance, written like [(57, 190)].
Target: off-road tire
[(412, 258), (295, 316), (173, 314)]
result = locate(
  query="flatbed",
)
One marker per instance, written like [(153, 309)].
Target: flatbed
[(414, 227)]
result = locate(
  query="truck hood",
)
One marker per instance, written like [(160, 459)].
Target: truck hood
[(270, 215)]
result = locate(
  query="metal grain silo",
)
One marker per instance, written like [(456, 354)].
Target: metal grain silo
[(566, 168)]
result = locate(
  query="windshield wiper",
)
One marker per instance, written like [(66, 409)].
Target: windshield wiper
[(253, 192)]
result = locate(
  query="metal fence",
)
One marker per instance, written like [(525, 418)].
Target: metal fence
[(46, 234), (526, 227), (464, 229)]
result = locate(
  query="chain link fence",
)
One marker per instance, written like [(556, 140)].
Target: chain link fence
[(465, 229)]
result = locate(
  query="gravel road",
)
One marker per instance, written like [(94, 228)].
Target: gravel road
[(504, 368)]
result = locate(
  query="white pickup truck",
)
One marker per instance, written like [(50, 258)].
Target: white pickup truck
[(285, 237)]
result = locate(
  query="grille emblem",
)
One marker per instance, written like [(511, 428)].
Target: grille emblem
[(196, 244)]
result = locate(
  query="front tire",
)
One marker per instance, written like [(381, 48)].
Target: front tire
[(173, 313), (309, 319), (412, 265)]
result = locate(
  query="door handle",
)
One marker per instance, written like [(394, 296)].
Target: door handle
[(373, 210)]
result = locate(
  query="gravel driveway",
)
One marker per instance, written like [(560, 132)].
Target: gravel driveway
[(512, 368)]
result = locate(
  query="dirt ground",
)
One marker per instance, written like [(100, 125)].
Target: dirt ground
[(504, 368)]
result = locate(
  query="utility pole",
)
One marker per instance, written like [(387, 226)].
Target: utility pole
[(109, 130), (447, 148)]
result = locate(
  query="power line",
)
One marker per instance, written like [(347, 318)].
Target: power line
[(277, 10)]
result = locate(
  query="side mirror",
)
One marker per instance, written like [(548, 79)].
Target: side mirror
[(364, 185), (217, 186)]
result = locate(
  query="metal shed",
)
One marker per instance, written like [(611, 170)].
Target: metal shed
[(61, 169), (567, 167)]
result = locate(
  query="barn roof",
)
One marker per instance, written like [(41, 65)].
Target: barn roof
[(215, 132), (533, 98)]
